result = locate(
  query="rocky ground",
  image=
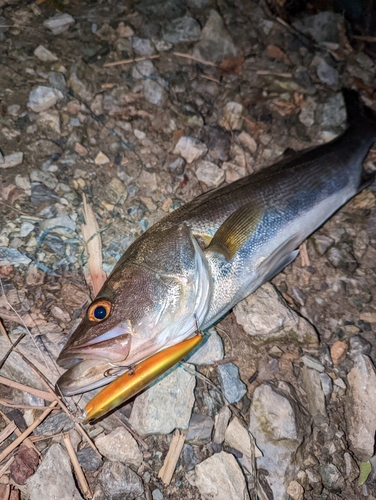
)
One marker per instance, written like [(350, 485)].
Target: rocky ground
[(141, 106)]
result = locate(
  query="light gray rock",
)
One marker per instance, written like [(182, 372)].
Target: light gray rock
[(54, 478), (210, 352), (209, 173), (327, 73), (278, 427), (313, 363), (238, 437), (183, 29), (326, 384), (232, 387), (200, 429), (216, 43), (120, 446), (44, 54), (232, 118), (26, 228), (119, 482), (43, 98), (12, 160), (143, 69), (60, 422), (266, 316), (359, 345), (322, 27), (190, 148), (333, 112), (220, 478), (361, 414), (332, 478), (166, 405), (46, 178), (88, 459), (157, 494), (57, 80), (12, 257), (115, 191), (322, 243), (155, 91), (62, 224), (59, 24), (315, 394), (307, 114), (220, 424), (142, 46)]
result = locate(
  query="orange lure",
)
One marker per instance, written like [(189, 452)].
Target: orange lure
[(142, 375)]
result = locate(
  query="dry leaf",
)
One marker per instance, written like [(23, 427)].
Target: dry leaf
[(276, 53), (91, 236), (232, 64), (24, 465)]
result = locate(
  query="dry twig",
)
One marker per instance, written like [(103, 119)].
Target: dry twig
[(9, 429), (172, 456), (4, 332), (26, 433), (77, 467), (129, 61), (188, 56), (17, 432), (5, 468), (7, 354), (304, 255), (25, 388)]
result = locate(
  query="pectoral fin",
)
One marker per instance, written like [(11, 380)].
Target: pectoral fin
[(279, 259), (236, 230)]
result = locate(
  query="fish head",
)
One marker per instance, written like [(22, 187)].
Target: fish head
[(154, 298)]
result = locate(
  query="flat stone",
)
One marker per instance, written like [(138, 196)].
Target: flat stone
[(40, 194), (216, 43), (295, 490), (188, 457), (313, 363), (322, 243), (115, 191), (46, 178), (50, 119), (143, 69), (62, 224), (177, 167), (88, 459), (190, 148), (220, 424), (166, 405), (326, 384), (101, 159), (12, 160), (60, 422), (57, 80), (322, 27), (327, 73), (248, 142), (266, 316), (209, 173), (43, 98), (44, 54), (142, 46), (220, 478), (238, 437), (232, 387), (332, 478), (307, 114), (359, 345), (119, 482), (119, 446), (361, 413), (232, 118), (26, 228), (210, 352), (53, 478), (333, 112), (183, 29), (315, 394), (200, 429), (59, 24), (278, 427), (155, 91), (12, 257)]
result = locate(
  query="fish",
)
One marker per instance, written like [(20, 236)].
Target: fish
[(189, 269)]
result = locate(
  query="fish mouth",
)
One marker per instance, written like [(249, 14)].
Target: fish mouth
[(93, 364)]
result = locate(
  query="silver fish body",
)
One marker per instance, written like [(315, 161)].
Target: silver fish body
[(194, 265)]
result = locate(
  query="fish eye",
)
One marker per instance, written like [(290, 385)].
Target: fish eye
[(99, 310)]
